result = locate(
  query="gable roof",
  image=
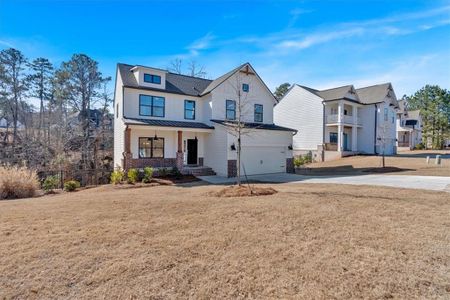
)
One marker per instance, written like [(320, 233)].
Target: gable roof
[(374, 94), (175, 83), (333, 93), (215, 83)]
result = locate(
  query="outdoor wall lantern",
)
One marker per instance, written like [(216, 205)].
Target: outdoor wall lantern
[(233, 147), (290, 147)]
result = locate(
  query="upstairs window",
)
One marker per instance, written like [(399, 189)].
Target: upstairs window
[(230, 107), (258, 113), (151, 106), (150, 78), (245, 87), (189, 110), (386, 114), (151, 147)]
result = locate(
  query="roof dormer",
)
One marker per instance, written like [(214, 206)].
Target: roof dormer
[(150, 77)]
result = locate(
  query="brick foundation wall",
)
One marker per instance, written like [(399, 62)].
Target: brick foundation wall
[(290, 165), (153, 162), (232, 168)]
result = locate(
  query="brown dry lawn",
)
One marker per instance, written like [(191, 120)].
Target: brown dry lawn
[(306, 241), (406, 163)]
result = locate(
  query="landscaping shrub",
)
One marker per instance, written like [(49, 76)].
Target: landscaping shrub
[(303, 160), (17, 182), (419, 146), (148, 174), (117, 176), (162, 172), (176, 173), (71, 185), (50, 183), (132, 176)]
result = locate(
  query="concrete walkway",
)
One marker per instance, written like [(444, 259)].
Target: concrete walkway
[(436, 183)]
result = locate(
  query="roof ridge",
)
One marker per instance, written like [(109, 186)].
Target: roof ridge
[(374, 85), (347, 85), (189, 76)]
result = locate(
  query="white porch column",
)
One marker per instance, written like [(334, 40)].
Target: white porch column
[(340, 137), (340, 126), (355, 129), (340, 112)]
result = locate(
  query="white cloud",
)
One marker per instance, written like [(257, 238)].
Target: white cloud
[(201, 44), (6, 44), (319, 38)]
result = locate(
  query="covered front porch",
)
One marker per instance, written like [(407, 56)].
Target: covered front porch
[(340, 141), (165, 147)]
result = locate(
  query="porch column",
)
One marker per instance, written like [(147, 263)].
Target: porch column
[(180, 155), (355, 129), (340, 137), (127, 156), (340, 112)]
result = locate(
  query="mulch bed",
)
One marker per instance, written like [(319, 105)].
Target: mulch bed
[(243, 191), (157, 181)]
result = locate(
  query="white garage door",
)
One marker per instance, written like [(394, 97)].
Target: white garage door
[(263, 160)]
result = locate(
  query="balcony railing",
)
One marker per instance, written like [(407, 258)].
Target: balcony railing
[(347, 119)]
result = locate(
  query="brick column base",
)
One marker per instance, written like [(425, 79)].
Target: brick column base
[(290, 165), (127, 161), (232, 168), (180, 161)]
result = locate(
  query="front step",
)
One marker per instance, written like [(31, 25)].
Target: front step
[(198, 171)]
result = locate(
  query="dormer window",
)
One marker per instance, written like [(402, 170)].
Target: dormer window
[(150, 78), (245, 87)]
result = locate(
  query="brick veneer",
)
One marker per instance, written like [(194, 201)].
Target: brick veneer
[(290, 165), (153, 162), (232, 168)]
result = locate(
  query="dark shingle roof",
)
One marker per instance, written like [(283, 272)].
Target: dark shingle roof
[(257, 126), (373, 94), (175, 83), (166, 123)]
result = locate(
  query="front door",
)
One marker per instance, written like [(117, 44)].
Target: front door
[(345, 145), (192, 151)]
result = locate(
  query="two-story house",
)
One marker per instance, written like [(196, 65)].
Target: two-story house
[(340, 121), (170, 120), (409, 127)]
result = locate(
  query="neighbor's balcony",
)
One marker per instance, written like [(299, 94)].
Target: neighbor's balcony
[(332, 119)]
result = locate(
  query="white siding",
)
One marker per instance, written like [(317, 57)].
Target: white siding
[(258, 94), (303, 111), (367, 131), (174, 106), (119, 127), (216, 150)]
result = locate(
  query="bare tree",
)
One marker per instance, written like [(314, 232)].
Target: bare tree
[(237, 125), (176, 66), (13, 80), (196, 70), (84, 81), (40, 81), (193, 69)]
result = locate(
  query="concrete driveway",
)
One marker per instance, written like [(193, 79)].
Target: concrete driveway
[(435, 183)]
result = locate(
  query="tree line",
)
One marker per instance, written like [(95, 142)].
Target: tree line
[(71, 120)]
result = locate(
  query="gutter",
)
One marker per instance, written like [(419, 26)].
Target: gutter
[(375, 130)]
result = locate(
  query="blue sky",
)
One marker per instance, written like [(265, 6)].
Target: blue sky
[(315, 43)]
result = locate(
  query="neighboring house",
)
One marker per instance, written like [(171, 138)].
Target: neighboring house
[(97, 120), (169, 120), (409, 127), (341, 121)]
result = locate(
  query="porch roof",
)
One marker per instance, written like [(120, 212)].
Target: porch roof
[(166, 123), (258, 125)]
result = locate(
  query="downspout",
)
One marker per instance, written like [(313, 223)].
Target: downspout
[(375, 130), (323, 131)]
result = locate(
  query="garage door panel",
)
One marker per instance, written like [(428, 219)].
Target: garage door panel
[(263, 160)]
